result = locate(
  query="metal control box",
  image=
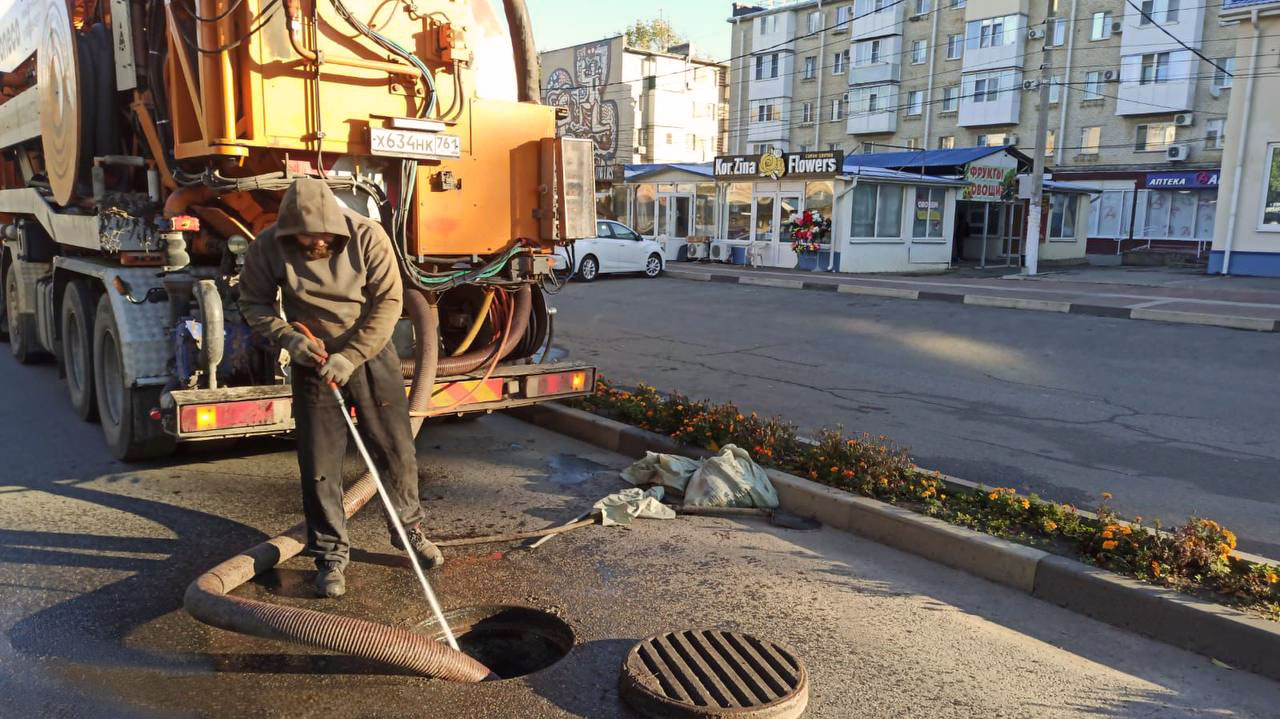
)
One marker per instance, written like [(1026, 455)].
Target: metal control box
[(568, 207)]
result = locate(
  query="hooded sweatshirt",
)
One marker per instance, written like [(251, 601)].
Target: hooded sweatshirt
[(350, 300)]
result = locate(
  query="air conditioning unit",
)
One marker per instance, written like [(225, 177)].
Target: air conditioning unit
[(1117, 27), (1010, 139), (916, 18), (721, 251), (641, 149), (1030, 85), (1177, 152), (1035, 33), (1111, 76), (696, 250), (1184, 119)]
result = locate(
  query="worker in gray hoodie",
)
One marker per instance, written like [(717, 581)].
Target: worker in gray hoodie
[(337, 274)]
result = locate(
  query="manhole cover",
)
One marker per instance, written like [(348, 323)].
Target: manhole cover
[(708, 673)]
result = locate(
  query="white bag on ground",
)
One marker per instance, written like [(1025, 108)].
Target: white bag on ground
[(730, 479), (669, 470), (622, 507)]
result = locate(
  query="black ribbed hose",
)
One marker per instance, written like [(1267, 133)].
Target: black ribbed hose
[(208, 598)]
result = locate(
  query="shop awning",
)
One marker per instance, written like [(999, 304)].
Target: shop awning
[(635, 172), (943, 162), (881, 174), (1058, 186)]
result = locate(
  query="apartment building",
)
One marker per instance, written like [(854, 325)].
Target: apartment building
[(1134, 110), (637, 105)]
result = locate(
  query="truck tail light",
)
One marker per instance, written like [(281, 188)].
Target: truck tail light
[(229, 415), (545, 385)]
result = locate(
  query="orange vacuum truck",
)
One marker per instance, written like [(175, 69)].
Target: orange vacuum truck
[(144, 143)]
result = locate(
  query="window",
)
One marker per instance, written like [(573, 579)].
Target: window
[(1215, 133), (773, 65), (815, 22), (1050, 142), (915, 102), (946, 142), (842, 15), (759, 67), (1171, 10), (806, 113), (1155, 68), (1090, 138), (927, 220), (1055, 90), (833, 146), (1055, 32), (867, 53), (1093, 85), (876, 211), (1161, 11), (1101, 29), (1271, 190), (837, 108), (985, 89), (1109, 214), (691, 142), (804, 147), (955, 46), (991, 32), (994, 139), (838, 62), (1222, 79), (670, 138), (911, 143), (957, 3), (922, 7), (919, 52), (1062, 215), (950, 98), (810, 67), (1166, 215), (765, 113), (1155, 137)]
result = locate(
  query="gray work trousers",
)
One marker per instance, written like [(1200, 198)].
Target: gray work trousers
[(376, 390)]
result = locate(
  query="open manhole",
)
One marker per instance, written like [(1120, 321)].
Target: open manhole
[(708, 673), (511, 641)]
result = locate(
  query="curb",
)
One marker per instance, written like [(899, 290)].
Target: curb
[(1210, 629), (1256, 324)]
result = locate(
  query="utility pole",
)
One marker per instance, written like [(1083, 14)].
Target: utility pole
[(1037, 162)]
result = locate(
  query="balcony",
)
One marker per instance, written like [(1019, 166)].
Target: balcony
[(888, 21), (1175, 94), (875, 73), (1009, 53), (873, 123), (998, 108)]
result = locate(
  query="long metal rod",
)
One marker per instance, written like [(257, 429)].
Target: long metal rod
[(395, 520)]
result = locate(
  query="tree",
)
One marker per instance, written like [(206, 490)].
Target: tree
[(656, 34)]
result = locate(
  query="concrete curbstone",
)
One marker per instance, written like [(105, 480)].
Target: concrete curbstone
[(771, 282), (689, 275), (1100, 311), (940, 296), (1257, 324), (576, 423), (895, 292), (1018, 303), (1203, 627)]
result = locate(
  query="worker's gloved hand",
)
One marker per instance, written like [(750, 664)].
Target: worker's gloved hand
[(337, 369), (304, 350)]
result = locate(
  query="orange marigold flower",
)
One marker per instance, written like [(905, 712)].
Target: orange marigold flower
[(1106, 534), (1026, 504), (1108, 545), (1126, 531), (1050, 525), (1230, 537), (1224, 551), (1106, 495), (1155, 568), (1272, 577)]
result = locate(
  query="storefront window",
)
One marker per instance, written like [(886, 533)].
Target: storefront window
[(1271, 191), (644, 212), (928, 216), (1176, 214), (739, 211), (876, 211), (1109, 214), (1062, 216), (819, 197), (618, 200), (1206, 212), (704, 215)]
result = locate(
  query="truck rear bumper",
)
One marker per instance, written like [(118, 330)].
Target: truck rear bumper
[(197, 414)]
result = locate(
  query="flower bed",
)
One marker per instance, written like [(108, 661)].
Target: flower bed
[(1198, 557)]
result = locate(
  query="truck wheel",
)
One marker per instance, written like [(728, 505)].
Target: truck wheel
[(125, 411), (4, 315), (77, 348), (22, 328)]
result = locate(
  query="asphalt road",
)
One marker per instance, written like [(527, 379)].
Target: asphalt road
[(95, 555), (1173, 420)]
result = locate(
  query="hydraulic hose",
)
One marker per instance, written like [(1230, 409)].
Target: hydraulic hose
[(208, 598), (477, 358)]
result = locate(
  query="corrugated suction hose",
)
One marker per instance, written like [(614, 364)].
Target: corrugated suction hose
[(477, 358), (208, 598)]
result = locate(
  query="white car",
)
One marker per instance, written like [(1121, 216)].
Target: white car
[(615, 248)]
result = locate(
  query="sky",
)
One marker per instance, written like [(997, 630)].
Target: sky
[(560, 23)]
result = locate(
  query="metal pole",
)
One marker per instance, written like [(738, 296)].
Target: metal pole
[(1037, 167), (986, 213)]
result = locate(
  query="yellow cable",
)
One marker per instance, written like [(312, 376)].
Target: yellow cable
[(475, 326)]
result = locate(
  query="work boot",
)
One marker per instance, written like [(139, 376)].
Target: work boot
[(429, 555), (329, 580)]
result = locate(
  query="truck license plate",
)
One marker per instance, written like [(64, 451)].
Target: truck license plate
[(412, 143)]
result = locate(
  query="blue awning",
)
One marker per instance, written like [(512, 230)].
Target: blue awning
[(1057, 186), (635, 172), (927, 161), (887, 175)]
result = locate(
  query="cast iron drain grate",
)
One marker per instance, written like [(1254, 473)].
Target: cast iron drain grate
[(708, 673)]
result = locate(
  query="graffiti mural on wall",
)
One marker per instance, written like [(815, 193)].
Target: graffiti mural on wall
[(582, 93)]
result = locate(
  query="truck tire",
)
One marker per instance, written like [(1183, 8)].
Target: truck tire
[(77, 347), (130, 432), (22, 328), (4, 314)]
